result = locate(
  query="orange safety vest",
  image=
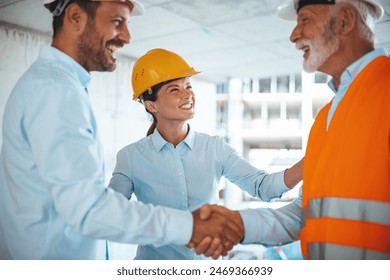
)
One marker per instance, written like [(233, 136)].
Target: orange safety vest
[(346, 189)]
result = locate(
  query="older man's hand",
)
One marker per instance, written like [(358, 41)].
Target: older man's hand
[(216, 230)]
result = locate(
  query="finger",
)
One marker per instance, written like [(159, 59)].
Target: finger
[(224, 252), (213, 248), (218, 252), (228, 245), (235, 218), (191, 245), (205, 212), (234, 227), (232, 236), (203, 245)]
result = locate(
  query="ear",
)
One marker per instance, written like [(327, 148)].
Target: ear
[(75, 17), (346, 20), (151, 106)]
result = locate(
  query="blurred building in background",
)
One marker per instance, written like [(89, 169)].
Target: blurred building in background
[(268, 121)]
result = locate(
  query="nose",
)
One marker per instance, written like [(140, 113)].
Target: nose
[(187, 94), (124, 34), (295, 34)]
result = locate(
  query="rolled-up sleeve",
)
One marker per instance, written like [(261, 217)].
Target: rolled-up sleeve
[(273, 226)]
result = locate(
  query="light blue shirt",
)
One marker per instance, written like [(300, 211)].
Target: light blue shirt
[(186, 177), (53, 201), (276, 227)]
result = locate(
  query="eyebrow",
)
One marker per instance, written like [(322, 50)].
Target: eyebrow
[(116, 16), (173, 85)]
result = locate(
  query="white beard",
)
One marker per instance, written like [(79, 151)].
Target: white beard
[(321, 48)]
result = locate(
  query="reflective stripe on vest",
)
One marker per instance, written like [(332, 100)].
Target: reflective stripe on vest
[(351, 209), (325, 251)]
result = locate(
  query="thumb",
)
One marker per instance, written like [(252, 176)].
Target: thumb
[(205, 212)]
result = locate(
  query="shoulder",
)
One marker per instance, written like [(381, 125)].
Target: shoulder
[(139, 146), (213, 144), (47, 83), (207, 139)]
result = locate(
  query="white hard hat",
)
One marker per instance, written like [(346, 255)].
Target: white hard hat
[(288, 10), (137, 10)]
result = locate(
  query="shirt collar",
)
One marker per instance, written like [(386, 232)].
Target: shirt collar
[(159, 142), (355, 68), (51, 53)]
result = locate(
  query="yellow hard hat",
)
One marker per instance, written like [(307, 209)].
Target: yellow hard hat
[(157, 66)]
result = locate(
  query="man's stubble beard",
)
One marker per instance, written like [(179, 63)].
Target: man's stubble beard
[(92, 53)]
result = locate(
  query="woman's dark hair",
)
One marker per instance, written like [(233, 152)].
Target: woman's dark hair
[(58, 21), (152, 95)]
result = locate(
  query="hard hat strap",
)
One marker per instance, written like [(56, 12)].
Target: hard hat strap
[(60, 7)]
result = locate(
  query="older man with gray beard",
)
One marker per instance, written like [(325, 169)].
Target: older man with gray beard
[(343, 209)]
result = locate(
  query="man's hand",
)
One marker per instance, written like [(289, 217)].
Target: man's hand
[(216, 230)]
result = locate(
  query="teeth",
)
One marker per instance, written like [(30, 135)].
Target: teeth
[(186, 106), (112, 48), (302, 46)]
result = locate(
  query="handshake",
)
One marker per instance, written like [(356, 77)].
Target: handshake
[(216, 230)]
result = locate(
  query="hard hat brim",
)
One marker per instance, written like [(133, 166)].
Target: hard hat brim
[(183, 75), (138, 8), (287, 11)]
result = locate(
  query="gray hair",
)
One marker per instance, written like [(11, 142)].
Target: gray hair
[(368, 15)]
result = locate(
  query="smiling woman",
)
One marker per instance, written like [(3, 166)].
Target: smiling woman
[(166, 72), (174, 165)]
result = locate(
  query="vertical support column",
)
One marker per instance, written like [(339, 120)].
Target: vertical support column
[(232, 194), (283, 110), (235, 114), (264, 112)]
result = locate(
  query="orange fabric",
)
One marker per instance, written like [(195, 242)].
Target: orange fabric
[(349, 233), (352, 159)]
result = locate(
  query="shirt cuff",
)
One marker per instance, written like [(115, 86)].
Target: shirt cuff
[(252, 233), (281, 178), (178, 229)]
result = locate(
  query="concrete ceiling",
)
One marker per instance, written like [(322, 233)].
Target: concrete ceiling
[(222, 38)]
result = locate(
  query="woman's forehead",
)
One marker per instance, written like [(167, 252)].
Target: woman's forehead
[(178, 81)]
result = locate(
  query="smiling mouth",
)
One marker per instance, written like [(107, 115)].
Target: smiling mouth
[(304, 48), (306, 51), (112, 49), (186, 106)]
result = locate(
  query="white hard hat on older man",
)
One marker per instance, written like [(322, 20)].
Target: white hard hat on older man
[(289, 9), (137, 8)]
